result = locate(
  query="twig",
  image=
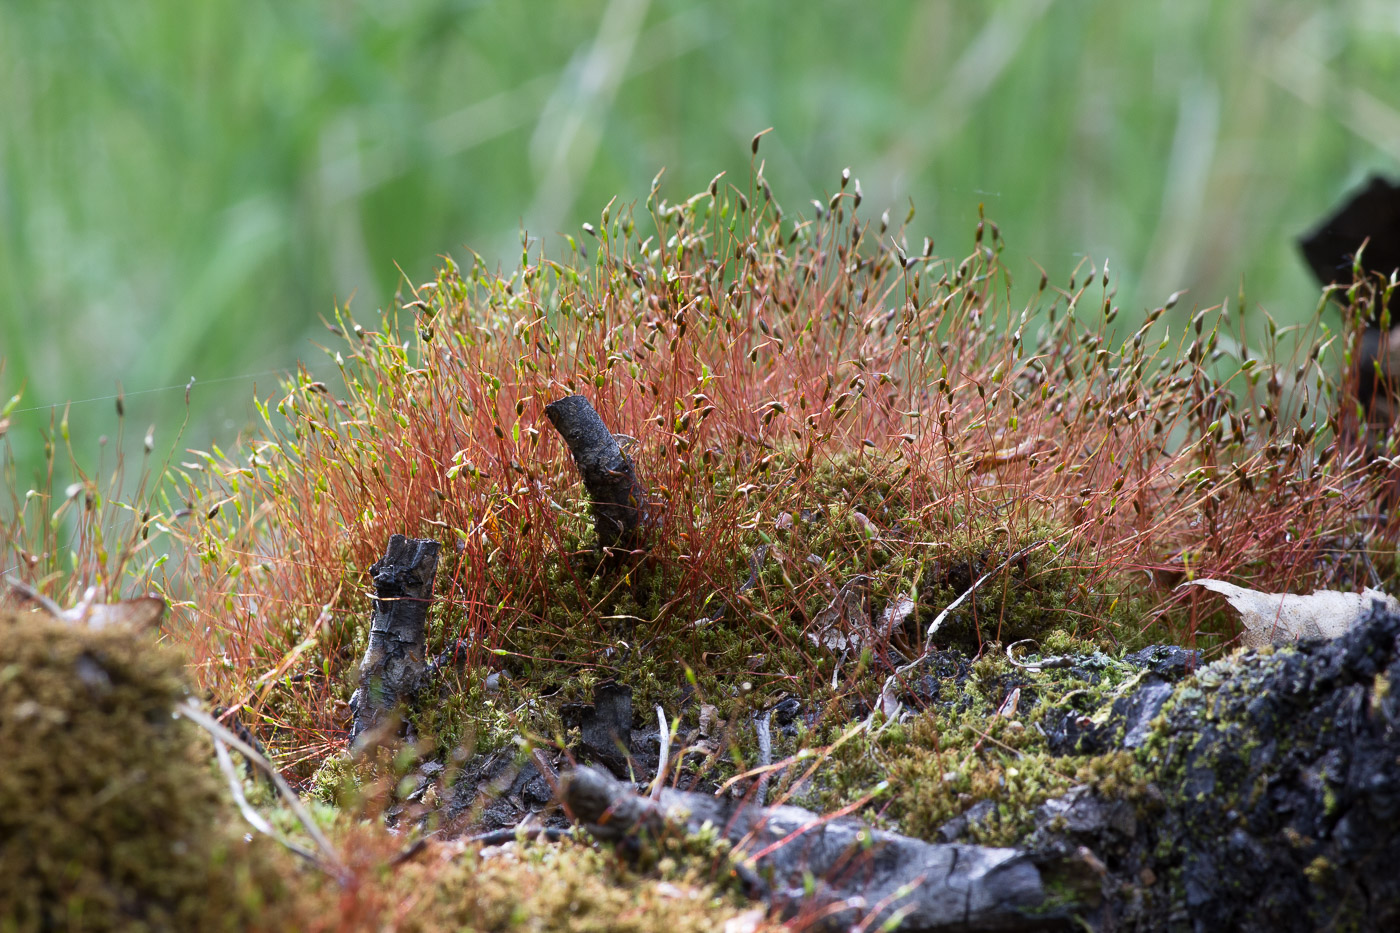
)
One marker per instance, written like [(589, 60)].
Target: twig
[(662, 765), (620, 508), (409, 852), (1047, 664), (763, 726), (254, 818), (329, 855), (499, 837), (546, 771), (29, 593)]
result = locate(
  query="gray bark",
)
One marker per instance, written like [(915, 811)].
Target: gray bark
[(395, 662), (862, 875), (618, 499)]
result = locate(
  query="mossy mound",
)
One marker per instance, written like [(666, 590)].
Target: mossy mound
[(567, 887), (111, 816)]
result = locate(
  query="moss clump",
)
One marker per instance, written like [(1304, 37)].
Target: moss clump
[(564, 887), (975, 753), (110, 814)]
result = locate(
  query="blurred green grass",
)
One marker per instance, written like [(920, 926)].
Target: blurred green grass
[(185, 187)]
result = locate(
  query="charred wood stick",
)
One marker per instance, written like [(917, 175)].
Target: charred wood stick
[(618, 499), (862, 875), (395, 662), (1378, 377)]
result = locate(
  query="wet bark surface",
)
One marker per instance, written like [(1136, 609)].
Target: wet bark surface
[(1280, 796)]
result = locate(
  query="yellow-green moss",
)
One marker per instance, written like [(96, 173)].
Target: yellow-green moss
[(110, 814), (564, 887), (960, 752)]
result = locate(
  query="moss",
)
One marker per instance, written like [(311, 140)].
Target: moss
[(337, 781), (677, 635), (564, 887), (1319, 871), (969, 747), (464, 715), (111, 815)]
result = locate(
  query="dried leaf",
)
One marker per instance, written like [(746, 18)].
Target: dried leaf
[(896, 613), (1279, 618), (844, 625), (140, 614)]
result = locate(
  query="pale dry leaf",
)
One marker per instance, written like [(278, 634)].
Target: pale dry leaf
[(844, 625), (747, 922), (141, 614), (1279, 618), (896, 613)]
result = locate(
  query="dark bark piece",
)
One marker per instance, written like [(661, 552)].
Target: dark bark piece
[(619, 501), (1370, 216), (395, 662), (862, 875), (607, 728), (1372, 213)]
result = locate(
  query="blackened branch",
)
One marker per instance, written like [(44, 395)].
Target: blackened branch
[(619, 501), (395, 661)]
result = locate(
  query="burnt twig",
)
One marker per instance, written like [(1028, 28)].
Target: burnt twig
[(395, 662), (619, 501)]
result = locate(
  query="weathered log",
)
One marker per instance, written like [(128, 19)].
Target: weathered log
[(618, 499), (862, 876), (1275, 794), (395, 661)]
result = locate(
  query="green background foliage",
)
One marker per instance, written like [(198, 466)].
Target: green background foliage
[(184, 187)]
